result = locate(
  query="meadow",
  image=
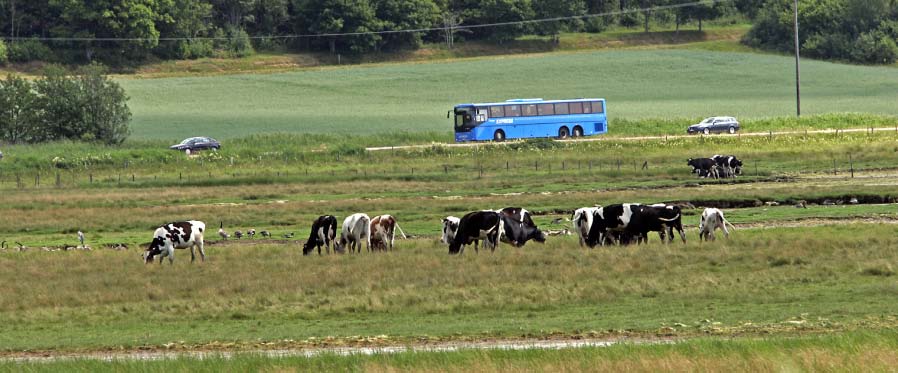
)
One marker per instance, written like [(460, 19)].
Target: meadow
[(675, 85), (295, 149)]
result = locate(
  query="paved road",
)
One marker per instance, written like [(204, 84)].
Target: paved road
[(640, 138)]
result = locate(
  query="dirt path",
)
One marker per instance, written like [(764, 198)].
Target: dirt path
[(641, 138), (523, 344)]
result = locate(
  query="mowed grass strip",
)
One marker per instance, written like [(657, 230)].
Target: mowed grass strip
[(860, 351), (816, 278), (638, 84)]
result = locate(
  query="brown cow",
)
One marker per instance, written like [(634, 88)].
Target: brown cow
[(382, 232)]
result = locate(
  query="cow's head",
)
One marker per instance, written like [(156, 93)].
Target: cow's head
[(154, 249), (450, 227), (307, 247), (537, 235), (340, 245)]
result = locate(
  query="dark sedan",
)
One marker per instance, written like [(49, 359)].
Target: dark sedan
[(197, 143)]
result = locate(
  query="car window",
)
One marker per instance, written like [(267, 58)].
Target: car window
[(709, 120)]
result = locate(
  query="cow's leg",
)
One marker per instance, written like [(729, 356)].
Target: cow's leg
[(392, 237), (171, 255), (680, 230), (726, 232), (192, 253), (200, 244)]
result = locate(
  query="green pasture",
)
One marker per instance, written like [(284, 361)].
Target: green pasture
[(859, 350), (665, 85), (816, 278)]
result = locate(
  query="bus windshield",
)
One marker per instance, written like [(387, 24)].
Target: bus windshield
[(464, 117)]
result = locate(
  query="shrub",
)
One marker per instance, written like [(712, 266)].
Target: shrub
[(29, 50), (233, 42)]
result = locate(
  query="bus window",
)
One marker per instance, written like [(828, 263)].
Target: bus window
[(561, 109), (597, 107), (576, 108), (513, 111), (497, 111), (546, 109), (586, 108), (530, 110), (464, 118)]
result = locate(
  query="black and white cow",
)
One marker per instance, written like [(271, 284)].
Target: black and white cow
[(177, 235), (519, 227), (356, 230), (660, 218), (582, 222), (712, 219), (450, 226), (632, 221), (477, 225), (728, 165), (704, 167), (324, 231)]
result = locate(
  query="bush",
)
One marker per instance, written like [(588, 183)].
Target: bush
[(29, 50), (233, 42)]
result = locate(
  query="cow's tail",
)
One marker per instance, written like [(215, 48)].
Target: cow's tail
[(366, 230), (671, 219), (400, 231), (727, 222)]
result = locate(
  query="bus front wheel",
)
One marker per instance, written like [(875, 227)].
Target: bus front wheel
[(563, 133), (578, 131), (499, 135)]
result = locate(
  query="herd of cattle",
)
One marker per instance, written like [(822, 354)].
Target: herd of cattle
[(613, 224), (718, 166)]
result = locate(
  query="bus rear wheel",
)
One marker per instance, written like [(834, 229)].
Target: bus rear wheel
[(578, 131), (563, 133), (499, 135)]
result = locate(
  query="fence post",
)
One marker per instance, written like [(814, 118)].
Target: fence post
[(851, 165), (536, 165), (618, 165), (91, 178), (37, 180), (180, 176), (133, 178), (563, 166), (446, 169), (481, 171), (645, 165), (58, 180), (834, 167), (506, 165)]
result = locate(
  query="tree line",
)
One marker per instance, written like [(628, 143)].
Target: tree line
[(229, 23), (83, 106)]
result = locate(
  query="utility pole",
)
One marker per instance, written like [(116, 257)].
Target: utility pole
[(797, 68)]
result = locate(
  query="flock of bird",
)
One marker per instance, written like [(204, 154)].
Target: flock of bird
[(251, 233)]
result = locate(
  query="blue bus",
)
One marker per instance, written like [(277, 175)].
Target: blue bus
[(523, 118)]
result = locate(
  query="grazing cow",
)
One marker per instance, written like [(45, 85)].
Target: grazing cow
[(450, 226), (383, 230), (178, 235), (478, 225), (525, 229), (324, 230), (582, 221), (712, 219), (729, 165), (704, 167), (355, 231), (608, 222), (517, 233), (656, 218)]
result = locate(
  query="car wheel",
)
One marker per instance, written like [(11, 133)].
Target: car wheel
[(499, 135), (578, 131), (563, 133), (706, 131), (732, 130)]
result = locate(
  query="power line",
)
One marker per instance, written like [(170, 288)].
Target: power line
[(387, 32)]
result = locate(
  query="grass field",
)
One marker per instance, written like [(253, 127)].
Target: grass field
[(681, 85)]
